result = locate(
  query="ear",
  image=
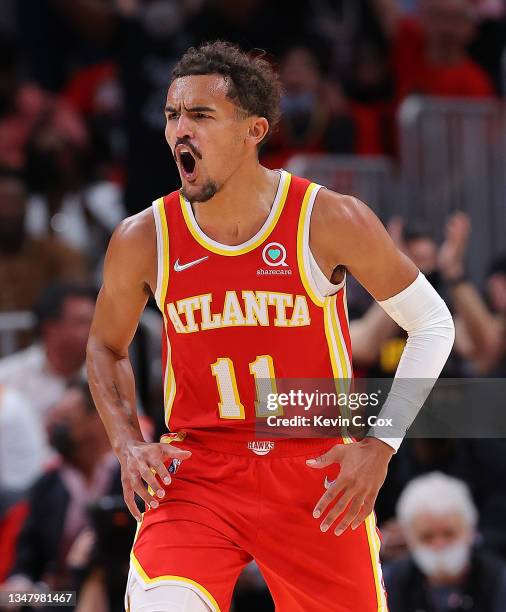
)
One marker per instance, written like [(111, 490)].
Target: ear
[(257, 131)]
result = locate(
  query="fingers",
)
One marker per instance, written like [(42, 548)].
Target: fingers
[(348, 516), (129, 497), (144, 494), (172, 451), (354, 504), (333, 455), (337, 510), (325, 500), (365, 511), (150, 479), (144, 463), (163, 472)]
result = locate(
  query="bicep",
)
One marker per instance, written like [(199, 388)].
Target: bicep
[(359, 241), (123, 295), (117, 315)]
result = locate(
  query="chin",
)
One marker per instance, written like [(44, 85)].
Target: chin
[(199, 194)]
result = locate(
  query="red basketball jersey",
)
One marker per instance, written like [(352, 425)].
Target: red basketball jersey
[(238, 316)]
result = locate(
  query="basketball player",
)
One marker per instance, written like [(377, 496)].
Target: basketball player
[(247, 266)]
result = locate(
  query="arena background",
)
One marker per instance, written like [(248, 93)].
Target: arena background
[(397, 102)]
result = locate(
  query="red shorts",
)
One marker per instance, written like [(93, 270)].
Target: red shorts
[(227, 505)]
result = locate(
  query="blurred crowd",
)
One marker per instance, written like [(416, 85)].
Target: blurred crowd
[(82, 90)]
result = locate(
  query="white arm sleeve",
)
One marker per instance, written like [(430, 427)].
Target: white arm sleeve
[(421, 312)]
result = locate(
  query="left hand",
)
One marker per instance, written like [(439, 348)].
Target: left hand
[(363, 471)]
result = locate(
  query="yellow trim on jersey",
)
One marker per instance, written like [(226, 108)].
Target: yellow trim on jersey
[(340, 368), (203, 592), (160, 211), (169, 391), (214, 247), (300, 245), (342, 349), (374, 549)]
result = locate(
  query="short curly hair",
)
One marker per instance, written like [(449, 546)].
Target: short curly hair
[(253, 84)]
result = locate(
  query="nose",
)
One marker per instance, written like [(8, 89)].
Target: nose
[(184, 127)]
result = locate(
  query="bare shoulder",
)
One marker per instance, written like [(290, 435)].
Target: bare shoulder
[(137, 229), (132, 254), (340, 224), (345, 232)]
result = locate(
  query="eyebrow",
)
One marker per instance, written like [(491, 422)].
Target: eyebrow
[(192, 109)]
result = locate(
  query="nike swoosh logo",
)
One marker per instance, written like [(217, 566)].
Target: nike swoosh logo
[(180, 267)]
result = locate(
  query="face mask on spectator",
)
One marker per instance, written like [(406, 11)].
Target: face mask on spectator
[(450, 560)]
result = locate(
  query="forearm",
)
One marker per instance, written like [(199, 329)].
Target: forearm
[(422, 313), (112, 385)]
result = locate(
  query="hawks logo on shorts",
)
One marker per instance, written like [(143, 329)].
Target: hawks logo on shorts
[(259, 447)]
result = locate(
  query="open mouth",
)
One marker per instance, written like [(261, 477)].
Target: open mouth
[(187, 163)]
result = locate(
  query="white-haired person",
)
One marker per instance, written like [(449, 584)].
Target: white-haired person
[(445, 571)]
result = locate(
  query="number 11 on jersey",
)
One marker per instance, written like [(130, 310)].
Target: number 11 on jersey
[(230, 406)]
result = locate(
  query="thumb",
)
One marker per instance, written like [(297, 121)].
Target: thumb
[(331, 456), (172, 451)]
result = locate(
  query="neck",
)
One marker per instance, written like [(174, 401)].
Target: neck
[(240, 207)]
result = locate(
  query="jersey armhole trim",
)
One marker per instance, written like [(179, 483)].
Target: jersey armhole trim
[(162, 250), (308, 266)]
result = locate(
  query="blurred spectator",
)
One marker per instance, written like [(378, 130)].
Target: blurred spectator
[(103, 558), (370, 87), (23, 106), (52, 49), (369, 333), (27, 265), (13, 510), (315, 116), (416, 240), (429, 53), (68, 203), (488, 45), (254, 24), (489, 458), (145, 38), (480, 330), (58, 500), (95, 93), (42, 371), (419, 456), (22, 442), (444, 572)]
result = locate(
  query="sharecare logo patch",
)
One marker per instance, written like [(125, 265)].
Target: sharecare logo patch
[(260, 448)]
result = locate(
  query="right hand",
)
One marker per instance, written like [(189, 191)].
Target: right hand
[(143, 461)]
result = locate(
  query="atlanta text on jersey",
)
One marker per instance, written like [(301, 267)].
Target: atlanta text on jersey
[(251, 308)]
